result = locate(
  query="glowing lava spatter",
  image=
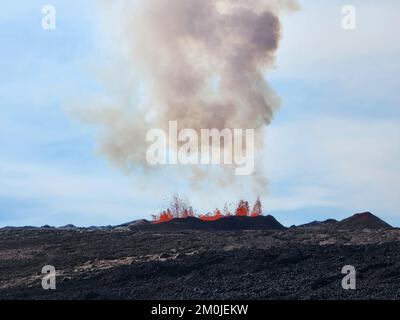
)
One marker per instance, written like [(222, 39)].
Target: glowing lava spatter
[(180, 210)]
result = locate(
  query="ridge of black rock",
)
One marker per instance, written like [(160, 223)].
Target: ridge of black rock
[(134, 223), (358, 221), (318, 224), (365, 220), (68, 227), (224, 224)]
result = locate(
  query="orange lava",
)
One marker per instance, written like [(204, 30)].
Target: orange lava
[(181, 211), (212, 217)]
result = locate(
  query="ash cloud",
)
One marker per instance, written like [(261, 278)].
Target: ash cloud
[(201, 62)]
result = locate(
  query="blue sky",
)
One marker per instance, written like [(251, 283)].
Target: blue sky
[(332, 150)]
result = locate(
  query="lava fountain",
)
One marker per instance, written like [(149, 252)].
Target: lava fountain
[(179, 209)]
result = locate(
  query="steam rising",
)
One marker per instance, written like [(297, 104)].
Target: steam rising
[(199, 62)]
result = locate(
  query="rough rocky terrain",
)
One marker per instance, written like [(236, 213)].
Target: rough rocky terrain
[(128, 262)]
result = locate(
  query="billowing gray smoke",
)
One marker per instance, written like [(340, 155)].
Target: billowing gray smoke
[(200, 62)]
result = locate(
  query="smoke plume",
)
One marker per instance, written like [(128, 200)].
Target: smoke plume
[(199, 62)]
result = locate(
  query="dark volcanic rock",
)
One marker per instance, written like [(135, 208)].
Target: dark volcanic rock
[(287, 264), (361, 221), (247, 223), (68, 227), (319, 224), (208, 263), (173, 225), (140, 222), (225, 224)]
